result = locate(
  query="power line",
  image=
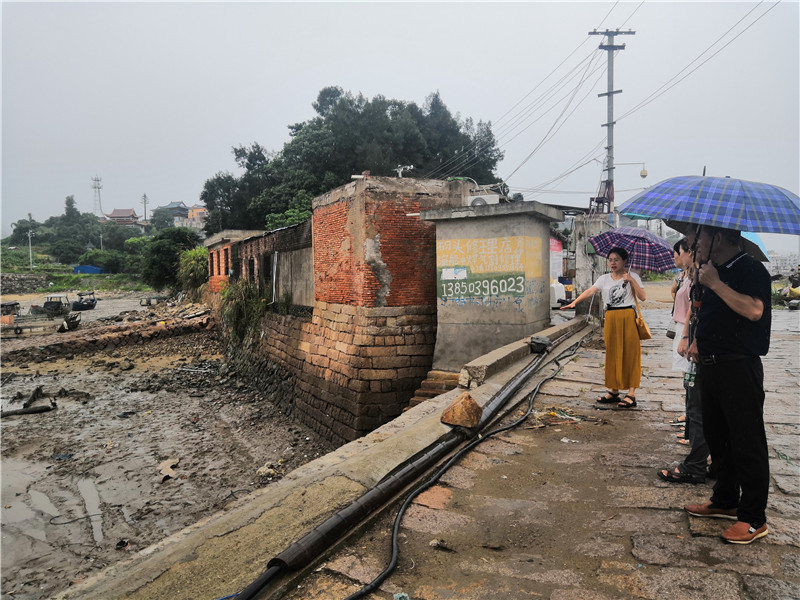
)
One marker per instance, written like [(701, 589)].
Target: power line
[(456, 162), (547, 136), (666, 87)]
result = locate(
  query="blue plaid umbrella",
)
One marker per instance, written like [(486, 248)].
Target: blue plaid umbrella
[(720, 202), (646, 250)]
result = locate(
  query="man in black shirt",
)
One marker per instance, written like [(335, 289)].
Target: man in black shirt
[(733, 332)]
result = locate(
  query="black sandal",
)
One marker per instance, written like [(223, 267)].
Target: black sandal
[(609, 398), (624, 402), (680, 477)]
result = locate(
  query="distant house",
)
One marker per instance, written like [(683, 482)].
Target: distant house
[(178, 210), (124, 216), (195, 218)]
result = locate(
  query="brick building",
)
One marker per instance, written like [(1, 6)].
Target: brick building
[(366, 266)]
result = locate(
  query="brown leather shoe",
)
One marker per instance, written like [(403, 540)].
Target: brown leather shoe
[(709, 510), (744, 533)]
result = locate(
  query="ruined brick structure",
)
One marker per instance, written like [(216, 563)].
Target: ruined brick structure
[(356, 362), (223, 257)]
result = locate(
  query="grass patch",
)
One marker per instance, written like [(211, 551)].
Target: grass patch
[(65, 282)]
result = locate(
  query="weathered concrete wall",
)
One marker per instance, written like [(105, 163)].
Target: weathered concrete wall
[(344, 371), (493, 277), (292, 270), (296, 276)]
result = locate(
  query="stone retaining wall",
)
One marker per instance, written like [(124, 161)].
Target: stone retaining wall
[(108, 338), (344, 371), (14, 283)]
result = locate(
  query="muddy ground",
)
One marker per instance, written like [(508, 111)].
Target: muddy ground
[(144, 441)]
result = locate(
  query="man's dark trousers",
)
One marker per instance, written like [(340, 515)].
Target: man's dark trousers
[(732, 394)]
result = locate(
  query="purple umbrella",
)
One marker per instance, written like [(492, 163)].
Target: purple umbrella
[(647, 250)]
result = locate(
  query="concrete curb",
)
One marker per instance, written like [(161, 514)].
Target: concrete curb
[(225, 552)]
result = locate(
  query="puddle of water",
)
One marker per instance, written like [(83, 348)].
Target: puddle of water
[(91, 498), (42, 502)]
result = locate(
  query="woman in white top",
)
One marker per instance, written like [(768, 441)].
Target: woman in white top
[(623, 370)]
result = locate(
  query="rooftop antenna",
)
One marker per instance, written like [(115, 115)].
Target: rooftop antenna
[(400, 168)]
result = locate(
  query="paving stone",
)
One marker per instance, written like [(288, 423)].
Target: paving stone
[(435, 497), (459, 477), (783, 505), (496, 446), (658, 521), (675, 497), (601, 548), (480, 461), (783, 531), (581, 594), (677, 584), (437, 522), (790, 563), (767, 588), (360, 569), (519, 567)]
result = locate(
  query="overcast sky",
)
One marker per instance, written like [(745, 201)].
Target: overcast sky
[(151, 97)]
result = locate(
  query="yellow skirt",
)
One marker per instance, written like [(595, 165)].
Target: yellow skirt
[(623, 350)]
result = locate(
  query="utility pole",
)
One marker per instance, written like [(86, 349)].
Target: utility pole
[(30, 247), (610, 47), (144, 203)]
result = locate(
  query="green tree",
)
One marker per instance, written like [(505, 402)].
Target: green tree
[(111, 261), (350, 134), (134, 249), (162, 256), (161, 218), (193, 271), (67, 251), (20, 229)]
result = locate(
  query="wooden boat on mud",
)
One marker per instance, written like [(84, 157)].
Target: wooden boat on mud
[(55, 305), (38, 324), (9, 308), (85, 301)]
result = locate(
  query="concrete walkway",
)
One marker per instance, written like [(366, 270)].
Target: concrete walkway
[(574, 510), (566, 506)]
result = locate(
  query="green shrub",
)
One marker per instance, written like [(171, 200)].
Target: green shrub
[(242, 308)]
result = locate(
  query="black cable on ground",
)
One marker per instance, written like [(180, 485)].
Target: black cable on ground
[(373, 585)]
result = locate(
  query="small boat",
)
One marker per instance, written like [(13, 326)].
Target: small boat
[(9, 308), (55, 305), (85, 301)]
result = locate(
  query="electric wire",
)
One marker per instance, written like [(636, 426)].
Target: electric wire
[(469, 162), (462, 160), (446, 166), (666, 86), (373, 585), (547, 136)]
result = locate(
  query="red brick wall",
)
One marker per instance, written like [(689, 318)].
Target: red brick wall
[(218, 278), (333, 254), (404, 246), (349, 369)]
